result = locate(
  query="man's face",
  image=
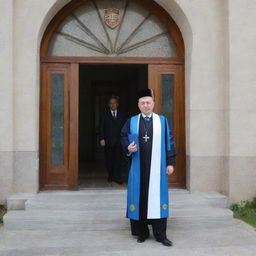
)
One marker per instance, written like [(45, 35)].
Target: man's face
[(113, 104), (146, 105)]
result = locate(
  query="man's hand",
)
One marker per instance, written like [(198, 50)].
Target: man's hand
[(132, 147), (102, 143), (169, 169)]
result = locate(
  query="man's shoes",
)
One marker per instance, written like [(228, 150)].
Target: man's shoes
[(166, 242), (119, 182), (141, 240)]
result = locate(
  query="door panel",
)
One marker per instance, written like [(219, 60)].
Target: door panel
[(56, 163), (59, 120), (167, 82)]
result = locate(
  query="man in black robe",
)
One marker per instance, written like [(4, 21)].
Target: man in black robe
[(145, 139), (111, 124)]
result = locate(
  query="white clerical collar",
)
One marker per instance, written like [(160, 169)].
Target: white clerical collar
[(143, 115)]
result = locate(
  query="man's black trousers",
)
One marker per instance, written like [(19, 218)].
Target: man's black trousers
[(113, 162), (140, 228)]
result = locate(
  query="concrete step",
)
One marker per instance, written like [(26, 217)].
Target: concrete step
[(108, 220), (17, 201), (218, 241), (104, 192), (90, 200), (103, 209)]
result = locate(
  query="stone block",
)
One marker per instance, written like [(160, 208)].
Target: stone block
[(26, 172)]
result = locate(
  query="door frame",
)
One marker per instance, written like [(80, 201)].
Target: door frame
[(71, 90), (155, 72), (74, 63)]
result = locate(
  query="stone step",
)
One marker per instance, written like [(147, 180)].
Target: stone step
[(92, 200), (105, 191), (108, 220), (218, 241), (93, 203), (17, 201)]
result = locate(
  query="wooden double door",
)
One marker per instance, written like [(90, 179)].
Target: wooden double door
[(59, 120)]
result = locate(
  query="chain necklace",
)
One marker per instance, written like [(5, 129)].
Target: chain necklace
[(146, 137)]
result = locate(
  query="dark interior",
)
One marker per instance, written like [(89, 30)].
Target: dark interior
[(97, 83)]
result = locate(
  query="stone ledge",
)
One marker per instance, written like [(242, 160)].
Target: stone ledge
[(17, 201)]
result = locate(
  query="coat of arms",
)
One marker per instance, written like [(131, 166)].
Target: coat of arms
[(112, 17)]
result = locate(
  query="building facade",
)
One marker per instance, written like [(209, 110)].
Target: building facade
[(212, 40)]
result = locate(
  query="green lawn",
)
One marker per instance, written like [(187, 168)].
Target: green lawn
[(2, 213), (246, 211)]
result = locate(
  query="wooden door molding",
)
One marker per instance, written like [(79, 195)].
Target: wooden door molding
[(112, 60), (178, 179), (74, 126), (63, 176)]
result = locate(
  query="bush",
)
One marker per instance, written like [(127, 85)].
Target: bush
[(246, 211), (2, 213), (254, 202), (238, 208)]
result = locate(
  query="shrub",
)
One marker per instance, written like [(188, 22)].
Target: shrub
[(2, 213), (246, 211), (254, 202)]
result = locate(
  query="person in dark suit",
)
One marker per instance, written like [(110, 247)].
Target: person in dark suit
[(110, 128)]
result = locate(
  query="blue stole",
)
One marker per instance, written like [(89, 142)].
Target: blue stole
[(158, 206)]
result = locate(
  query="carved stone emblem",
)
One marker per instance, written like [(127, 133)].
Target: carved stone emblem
[(112, 17)]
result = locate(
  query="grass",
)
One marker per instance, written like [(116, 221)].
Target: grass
[(2, 213), (245, 211)]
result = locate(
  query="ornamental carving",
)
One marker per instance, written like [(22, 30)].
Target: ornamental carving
[(112, 17)]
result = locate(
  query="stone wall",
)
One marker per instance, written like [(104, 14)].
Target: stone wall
[(242, 99), (26, 44), (205, 90), (6, 99), (219, 40)]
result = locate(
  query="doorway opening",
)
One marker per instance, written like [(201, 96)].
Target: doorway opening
[(97, 83)]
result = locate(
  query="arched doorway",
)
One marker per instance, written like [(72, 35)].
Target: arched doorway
[(95, 36)]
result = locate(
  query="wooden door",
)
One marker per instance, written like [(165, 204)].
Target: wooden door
[(167, 82), (58, 126)]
